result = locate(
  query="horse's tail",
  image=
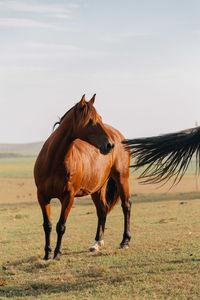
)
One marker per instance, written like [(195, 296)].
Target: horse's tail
[(111, 193), (166, 155)]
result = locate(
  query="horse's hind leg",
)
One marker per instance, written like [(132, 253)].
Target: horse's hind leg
[(46, 211), (102, 210), (123, 187), (67, 203)]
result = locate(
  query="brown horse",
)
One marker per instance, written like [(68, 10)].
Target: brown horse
[(83, 157)]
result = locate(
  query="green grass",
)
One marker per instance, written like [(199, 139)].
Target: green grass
[(15, 167), (162, 263)]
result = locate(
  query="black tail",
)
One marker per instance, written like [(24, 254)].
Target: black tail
[(166, 155), (112, 195)]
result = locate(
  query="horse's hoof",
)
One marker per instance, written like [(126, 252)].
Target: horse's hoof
[(124, 246), (57, 256), (47, 256), (96, 245), (93, 249)]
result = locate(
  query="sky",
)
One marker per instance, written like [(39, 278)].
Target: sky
[(141, 58)]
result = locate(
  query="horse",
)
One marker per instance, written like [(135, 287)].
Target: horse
[(83, 156), (165, 156)]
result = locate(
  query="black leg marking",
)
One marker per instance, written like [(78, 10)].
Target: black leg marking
[(47, 229), (127, 235), (60, 229)]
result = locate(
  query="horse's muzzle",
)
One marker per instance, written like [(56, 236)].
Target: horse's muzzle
[(107, 148)]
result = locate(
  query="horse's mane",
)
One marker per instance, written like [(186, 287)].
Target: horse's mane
[(62, 118), (88, 112)]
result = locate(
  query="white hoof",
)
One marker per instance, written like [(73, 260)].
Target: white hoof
[(96, 245)]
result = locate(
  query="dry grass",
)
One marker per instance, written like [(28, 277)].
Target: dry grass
[(162, 263)]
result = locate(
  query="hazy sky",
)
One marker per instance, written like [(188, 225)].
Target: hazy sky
[(141, 58)]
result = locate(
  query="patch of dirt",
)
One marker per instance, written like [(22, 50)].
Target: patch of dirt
[(187, 184), (17, 190)]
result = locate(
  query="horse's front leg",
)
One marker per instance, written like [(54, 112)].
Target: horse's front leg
[(101, 213), (46, 211), (67, 203)]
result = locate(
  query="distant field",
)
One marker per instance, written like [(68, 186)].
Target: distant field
[(20, 164), (16, 167), (17, 160), (31, 148)]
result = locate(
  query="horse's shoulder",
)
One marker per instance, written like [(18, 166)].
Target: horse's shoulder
[(79, 148)]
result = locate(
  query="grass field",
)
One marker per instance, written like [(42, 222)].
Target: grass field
[(16, 167), (163, 261)]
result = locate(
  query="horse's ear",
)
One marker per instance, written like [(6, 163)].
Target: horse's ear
[(82, 102), (92, 99)]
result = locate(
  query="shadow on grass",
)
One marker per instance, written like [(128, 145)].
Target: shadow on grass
[(42, 288), (90, 278), (72, 253), (184, 260), (80, 284), (28, 265)]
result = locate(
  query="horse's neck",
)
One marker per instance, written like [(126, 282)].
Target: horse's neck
[(64, 136), (61, 139)]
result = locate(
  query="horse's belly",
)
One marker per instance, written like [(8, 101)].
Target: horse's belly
[(94, 179), (89, 189), (82, 193)]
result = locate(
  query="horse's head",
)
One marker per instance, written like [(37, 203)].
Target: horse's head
[(88, 126)]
